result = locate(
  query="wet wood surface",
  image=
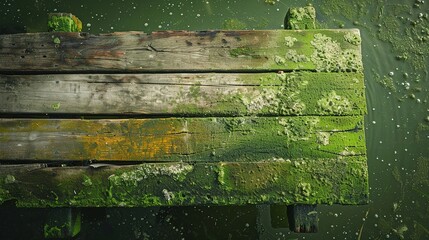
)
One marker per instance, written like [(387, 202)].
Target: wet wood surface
[(165, 184), (216, 94), (182, 118), (171, 51), (186, 139)]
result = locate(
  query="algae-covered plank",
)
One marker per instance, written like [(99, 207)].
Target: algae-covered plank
[(326, 181), (187, 139), (215, 94), (320, 50)]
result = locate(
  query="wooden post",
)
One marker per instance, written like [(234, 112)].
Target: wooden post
[(303, 218), (63, 22), (301, 18), (62, 223)]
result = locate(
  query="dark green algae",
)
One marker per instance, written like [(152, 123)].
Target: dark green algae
[(272, 181)]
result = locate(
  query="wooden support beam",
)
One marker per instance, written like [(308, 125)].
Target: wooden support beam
[(62, 223), (184, 139), (219, 94), (303, 181), (181, 51), (301, 18), (303, 218)]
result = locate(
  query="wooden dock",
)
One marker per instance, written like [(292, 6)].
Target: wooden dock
[(182, 118)]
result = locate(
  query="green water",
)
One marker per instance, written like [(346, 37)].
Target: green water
[(395, 53)]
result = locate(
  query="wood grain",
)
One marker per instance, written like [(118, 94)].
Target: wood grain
[(178, 51), (184, 139), (215, 94)]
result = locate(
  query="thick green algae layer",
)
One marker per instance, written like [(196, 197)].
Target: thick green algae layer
[(275, 180), (282, 94), (64, 23), (319, 49), (183, 139)]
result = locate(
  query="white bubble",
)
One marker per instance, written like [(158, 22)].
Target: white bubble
[(146, 24), (88, 25)]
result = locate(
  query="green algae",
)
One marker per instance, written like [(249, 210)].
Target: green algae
[(334, 104), (385, 81), (9, 179), (233, 24), (244, 52), (56, 40), (270, 2), (53, 231), (292, 55), (329, 56), (352, 38), (301, 18), (271, 181), (64, 22), (86, 181), (176, 171), (283, 100), (298, 129), (290, 41)]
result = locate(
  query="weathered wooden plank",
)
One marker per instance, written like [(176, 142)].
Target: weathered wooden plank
[(186, 139), (321, 50), (159, 184), (305, 93)]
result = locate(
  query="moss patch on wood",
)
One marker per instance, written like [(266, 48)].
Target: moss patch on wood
[(271, 181)]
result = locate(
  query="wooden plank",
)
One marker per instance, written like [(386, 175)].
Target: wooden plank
[(307, 181), (321, 50), (185, 139), (213, 94)]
